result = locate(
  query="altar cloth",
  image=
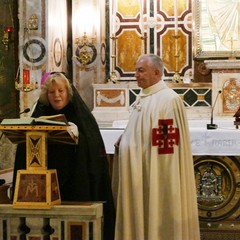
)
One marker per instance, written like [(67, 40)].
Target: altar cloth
[(220, 142), (223, 141)]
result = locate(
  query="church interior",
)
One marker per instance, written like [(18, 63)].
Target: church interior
[(96, 43)]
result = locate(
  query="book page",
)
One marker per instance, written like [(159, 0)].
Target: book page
[(58, 117), (42, 121), (31, 121), (17, 121)]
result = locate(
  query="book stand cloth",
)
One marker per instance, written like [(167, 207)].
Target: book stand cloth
[(36, 186)]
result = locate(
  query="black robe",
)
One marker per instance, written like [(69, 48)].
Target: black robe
[(82, 169)]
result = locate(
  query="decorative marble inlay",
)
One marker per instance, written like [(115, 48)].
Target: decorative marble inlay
[(129, 44), (129, 8), (110, 98), (115, 101), (76, 229), (225, 78), (231, 95), (195, 97), (82, 221), (156, 23), (168, 51)]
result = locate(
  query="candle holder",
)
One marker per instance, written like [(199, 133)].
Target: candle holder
[(26, 85), (113, 75), (7, 37), (176, 76)]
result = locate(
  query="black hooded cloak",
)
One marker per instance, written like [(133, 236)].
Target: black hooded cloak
[(83, 172)]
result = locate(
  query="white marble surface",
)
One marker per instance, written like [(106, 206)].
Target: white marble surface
[(222, 64), (221, 122)]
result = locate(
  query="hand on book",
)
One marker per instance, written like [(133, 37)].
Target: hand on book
[(73, 128)]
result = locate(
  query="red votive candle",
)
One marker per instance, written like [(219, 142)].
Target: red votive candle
[(26, 76), (8, 29)]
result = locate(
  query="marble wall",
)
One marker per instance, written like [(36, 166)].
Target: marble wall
[(7, 156)]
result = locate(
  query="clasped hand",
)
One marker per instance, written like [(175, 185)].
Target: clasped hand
[(73, 128)]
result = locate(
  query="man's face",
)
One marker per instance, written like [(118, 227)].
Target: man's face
[(146, 75)]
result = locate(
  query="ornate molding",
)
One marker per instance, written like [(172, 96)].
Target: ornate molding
[(120, 98), (222, 64)]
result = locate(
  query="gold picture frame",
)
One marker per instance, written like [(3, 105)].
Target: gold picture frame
[(216, 31)]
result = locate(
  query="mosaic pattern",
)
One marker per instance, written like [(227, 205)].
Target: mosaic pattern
[(156, 23), (195, 97), (192, 97)]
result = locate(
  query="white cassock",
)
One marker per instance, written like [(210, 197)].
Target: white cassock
[(153, 172)]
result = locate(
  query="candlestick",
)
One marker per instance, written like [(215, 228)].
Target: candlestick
[(176, 76), (141, 16), (114, 11), (232, 57), (113, 75), (176, 16), (144, 42), (7, 37)]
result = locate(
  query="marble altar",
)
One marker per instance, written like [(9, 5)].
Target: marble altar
[(225, 140), (225, 78)]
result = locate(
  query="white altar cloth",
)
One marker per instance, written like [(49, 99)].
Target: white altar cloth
[(220, 142), (223, 141)]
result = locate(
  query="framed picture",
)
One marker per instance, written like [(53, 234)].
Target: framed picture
[(216, 29)]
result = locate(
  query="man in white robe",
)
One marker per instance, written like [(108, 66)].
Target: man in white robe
[(154, 174)]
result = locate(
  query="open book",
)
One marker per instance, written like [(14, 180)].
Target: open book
[(58, 119)]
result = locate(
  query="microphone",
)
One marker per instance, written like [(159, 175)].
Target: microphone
[(25, 111), (212, 125)]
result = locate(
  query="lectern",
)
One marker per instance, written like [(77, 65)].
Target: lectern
[(36, 186)]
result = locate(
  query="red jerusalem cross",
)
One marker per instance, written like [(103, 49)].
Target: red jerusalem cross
[(165, 136)]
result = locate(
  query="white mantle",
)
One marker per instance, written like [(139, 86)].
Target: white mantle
[(222, 64)]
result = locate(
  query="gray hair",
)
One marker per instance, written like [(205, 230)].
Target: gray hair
[(54, 78), (155, 61)]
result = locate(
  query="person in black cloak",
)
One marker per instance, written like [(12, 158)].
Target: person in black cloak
[(82, 169)]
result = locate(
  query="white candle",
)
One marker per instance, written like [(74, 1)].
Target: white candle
[(114, 11), (141, 16), (176, 16)]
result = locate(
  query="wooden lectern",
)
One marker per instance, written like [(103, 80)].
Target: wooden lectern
[(36, 186)]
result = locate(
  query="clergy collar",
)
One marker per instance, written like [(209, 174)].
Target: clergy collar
[(153, 89)]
